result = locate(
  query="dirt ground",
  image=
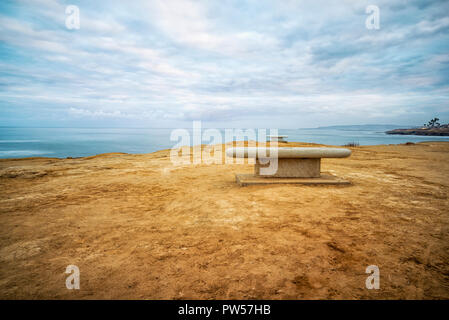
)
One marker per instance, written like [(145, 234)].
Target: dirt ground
[(139, 227)]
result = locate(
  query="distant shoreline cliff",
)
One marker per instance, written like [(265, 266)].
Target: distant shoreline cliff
[(423, 131)]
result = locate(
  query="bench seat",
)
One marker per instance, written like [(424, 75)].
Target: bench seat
[(293, 162)]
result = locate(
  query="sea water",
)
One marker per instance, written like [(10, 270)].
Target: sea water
[(82, 142)]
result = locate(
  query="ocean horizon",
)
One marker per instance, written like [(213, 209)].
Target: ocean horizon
[(22, 142)]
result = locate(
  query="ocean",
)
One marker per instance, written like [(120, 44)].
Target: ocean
[(82, 142)]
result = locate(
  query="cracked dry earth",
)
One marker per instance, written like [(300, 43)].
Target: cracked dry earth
[(139, 227)]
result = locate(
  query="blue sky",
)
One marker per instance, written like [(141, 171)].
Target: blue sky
[(274, 64)]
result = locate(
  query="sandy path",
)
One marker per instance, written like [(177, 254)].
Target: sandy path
[(139, 227)]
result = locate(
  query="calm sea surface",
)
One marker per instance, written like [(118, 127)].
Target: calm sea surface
[(81, 142)]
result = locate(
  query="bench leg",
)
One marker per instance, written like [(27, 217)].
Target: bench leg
[(292, 168)]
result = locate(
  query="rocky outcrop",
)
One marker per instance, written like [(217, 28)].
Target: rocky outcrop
[(424, 131)]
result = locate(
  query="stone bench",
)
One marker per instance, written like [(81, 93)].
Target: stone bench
[(277, 138), (295, 163)]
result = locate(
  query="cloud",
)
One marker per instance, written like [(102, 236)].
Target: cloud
[(253, 63)]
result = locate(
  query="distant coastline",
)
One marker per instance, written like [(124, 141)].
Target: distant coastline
[(362, 127)]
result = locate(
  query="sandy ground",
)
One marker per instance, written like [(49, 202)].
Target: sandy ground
[(139, 227)]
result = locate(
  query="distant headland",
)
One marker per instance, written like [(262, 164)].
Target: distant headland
[(432, 128)]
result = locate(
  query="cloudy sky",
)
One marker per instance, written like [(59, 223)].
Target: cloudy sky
[(284, 63)]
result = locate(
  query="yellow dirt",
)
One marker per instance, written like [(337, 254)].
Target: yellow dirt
[(139, 227)]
